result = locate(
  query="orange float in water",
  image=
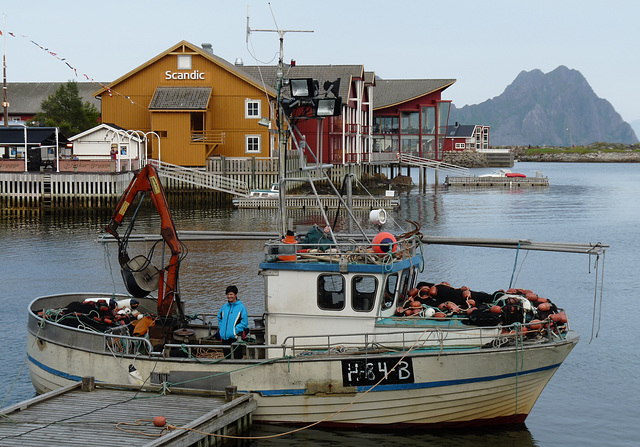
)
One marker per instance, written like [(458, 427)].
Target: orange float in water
[(384, 243)]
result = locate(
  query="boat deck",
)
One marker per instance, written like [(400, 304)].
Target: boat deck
[(99, 414)]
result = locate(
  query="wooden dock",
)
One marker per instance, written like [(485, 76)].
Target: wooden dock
[(310, 202), (107, 415), (498, 182)]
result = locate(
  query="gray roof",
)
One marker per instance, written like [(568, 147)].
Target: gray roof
[(25, 97), (45, 136), (460, 130), (321, 73), (180, 98), (397, 91)]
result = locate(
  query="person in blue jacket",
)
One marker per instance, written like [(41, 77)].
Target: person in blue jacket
[(233, 321)]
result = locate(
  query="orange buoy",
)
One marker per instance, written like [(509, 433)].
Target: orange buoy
[(471, 303), (413, 292), (531, 296), (496, 309), (384, 243), (544, 306), (416, 304), (442, 306), (463, 288), (439, 316), (423, 292), (559, 317), (542, 300), (433, 291), (535, 325), (159, 421), (444, 283), (471, 309), (466, 294), (408, 312), (512, 291)]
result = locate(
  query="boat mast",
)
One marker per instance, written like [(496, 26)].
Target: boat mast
[(282, 132), (5, 103)]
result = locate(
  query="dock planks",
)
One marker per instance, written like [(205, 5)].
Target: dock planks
[(72, 417)]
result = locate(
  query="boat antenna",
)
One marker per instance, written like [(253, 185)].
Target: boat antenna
[(282, 134)]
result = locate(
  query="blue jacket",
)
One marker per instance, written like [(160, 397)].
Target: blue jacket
[(232, 320)]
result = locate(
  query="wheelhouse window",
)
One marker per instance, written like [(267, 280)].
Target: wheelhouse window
[(363, 293), (389, 291), (331, 292), (252, 109), (252, 144), (405, 280)]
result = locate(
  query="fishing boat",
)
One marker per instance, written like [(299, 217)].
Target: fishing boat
[(354, 332)]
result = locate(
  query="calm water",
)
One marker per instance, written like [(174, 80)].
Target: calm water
[(592, 399)]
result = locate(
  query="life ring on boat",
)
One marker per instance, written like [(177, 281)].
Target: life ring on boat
[(384, 242)]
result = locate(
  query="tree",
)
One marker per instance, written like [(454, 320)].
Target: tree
[(65, 110)]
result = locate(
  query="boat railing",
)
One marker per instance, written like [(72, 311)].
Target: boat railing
[(348, 251), (438, 338), (116, 341)]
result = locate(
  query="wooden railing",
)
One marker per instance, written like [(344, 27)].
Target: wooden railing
[(207, 136)]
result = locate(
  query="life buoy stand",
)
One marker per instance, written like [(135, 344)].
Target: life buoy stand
[(288, 239)]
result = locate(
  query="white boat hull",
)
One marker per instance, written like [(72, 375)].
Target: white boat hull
[(432, 388)]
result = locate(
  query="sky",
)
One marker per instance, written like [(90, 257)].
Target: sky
[(484, 45)]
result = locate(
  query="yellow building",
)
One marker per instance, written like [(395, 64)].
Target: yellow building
[(191, 105)]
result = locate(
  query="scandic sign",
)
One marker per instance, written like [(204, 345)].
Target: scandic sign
[(196, 74)]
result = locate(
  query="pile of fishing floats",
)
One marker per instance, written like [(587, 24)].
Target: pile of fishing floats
[(442, 302)]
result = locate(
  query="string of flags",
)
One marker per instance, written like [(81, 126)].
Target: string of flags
[(74, 69)]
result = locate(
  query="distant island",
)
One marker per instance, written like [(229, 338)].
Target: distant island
[(593, 153)]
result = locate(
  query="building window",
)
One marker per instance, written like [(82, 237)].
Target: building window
[(184, 62), (252, 108), (252, 144), (460, 145)]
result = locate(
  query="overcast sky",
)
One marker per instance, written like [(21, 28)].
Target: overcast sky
[(481, 44)]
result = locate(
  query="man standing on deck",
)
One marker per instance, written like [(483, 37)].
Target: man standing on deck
[(233, 322)]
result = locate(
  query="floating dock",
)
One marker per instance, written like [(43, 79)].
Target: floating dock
[(498, 182), (89, 413), (310, 202)]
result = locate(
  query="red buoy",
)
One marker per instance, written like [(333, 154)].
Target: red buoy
[(535, 325), (159, 421), (544, 306), (496, 309), (384, 243)]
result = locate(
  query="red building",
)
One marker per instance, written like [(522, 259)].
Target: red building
[(466, 137), (411, 117)]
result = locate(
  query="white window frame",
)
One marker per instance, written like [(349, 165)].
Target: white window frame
[(184, 62), (247, 144), (249, 102)]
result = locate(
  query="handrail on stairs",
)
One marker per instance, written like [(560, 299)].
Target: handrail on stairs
[(201, 178), (434, 164)]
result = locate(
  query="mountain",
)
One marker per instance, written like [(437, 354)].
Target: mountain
[(558, 108), (635, 125)]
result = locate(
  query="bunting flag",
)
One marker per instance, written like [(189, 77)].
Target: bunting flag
[(71, 67)]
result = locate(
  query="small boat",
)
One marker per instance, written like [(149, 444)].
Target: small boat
[(271, 193), (354, 332), (503, 173)]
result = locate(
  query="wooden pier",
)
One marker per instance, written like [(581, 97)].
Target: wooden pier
[(310, 202), (88, 413), (498, 182)]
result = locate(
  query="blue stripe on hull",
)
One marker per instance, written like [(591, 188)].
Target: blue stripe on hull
[(414, 386), (55, 372)]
